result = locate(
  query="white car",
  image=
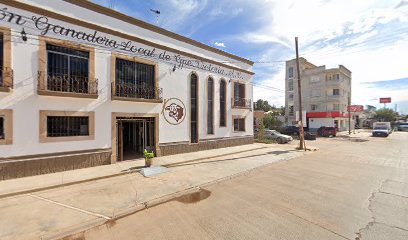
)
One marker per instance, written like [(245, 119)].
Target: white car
[(279, 137)]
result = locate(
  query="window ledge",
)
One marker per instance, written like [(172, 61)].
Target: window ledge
[(66, 139), (5, 89), (66, 94), (239, 107), (137, 99), (6, 141)]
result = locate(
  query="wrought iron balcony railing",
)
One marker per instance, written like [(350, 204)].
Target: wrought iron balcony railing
[(67, 84), (133, 91), (241, 102), (6, 78)]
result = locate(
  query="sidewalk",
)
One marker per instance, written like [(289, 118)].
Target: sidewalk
[(358, 133), (56, 205)]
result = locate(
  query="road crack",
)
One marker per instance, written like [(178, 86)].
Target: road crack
[(374, 220)]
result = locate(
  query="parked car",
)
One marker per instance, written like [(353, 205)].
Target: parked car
[(380, 131), (310, 136), (291, 130), (403, 127), (279, 137), (326, 131)]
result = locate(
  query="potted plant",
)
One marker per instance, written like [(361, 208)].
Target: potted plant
[(148, 157)]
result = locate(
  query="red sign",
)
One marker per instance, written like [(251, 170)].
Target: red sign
[(385, 100), (355, 108), (326, 114)]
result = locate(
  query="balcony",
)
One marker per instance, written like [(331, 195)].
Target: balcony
[(241, 103), (67, 86), (136, 93), (6, 79)]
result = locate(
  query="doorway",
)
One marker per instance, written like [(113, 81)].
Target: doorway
[(134, 135)]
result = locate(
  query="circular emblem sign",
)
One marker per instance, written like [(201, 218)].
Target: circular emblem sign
[(174, 111)]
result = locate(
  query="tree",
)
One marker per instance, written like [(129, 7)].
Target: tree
[(385, 115), (262, 105), (270, 121)]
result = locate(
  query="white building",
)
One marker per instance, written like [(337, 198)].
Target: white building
[(325, 94), (84, 85)]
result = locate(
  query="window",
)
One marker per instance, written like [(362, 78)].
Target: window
[(135, 80), (239, 95), (223, 103), (67, 126), (291, 96), (239, 124), (290, 72), (1, 59), (210, 106), (291, 110), (194, 108), (336, 107), (336, 76), (67, 69), (6, 73), (313, 107), (2, 134), (314, 79), (336, 92), (6, 127), (290, 85)]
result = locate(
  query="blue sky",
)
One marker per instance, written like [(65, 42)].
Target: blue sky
[(368, 37)]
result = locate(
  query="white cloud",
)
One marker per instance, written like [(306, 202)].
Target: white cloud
[(219, 44)]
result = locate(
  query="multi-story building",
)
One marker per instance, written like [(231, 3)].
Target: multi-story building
[(84, 85), (325, 94)]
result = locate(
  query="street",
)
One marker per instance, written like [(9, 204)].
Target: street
[(347, 190)]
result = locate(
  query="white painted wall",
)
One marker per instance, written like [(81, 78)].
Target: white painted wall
[(318, 122), (26, 104)]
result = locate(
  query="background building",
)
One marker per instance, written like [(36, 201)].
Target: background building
[(84, 85), (325, 94)]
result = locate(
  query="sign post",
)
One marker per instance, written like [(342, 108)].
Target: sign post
[(385, 100)]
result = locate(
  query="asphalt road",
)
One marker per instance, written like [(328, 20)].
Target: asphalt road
[(346, 190)]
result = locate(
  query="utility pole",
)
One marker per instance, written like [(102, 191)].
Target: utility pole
[(301, 134), (349, 113)]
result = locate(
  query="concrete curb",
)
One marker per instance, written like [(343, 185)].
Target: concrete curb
[(111, 175)]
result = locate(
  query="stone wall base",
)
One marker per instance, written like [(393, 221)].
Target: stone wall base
[(24, 167), (176, 148)]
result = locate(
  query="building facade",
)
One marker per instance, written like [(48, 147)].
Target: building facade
[(83, 85), (325, 94)]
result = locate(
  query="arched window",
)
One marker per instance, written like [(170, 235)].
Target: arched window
[(194, 108), (223, 103), (210, 106)]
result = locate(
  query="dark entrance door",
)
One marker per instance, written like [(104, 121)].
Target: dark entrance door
[(133, 136)]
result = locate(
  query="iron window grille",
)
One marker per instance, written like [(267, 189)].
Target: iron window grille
[(291, 110), (290, 85), (210, 106), (2, 135), (1, 59), (68, 70), (67, 126), (239, 124), (290, 72), (135, 80), (194, 108), (223, 104)]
